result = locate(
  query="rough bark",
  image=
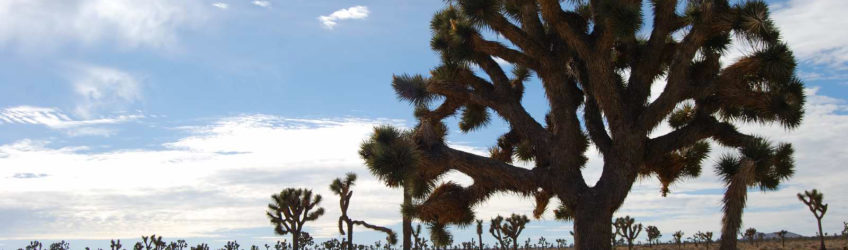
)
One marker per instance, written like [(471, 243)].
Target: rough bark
[(592, 227), (349, 236), (407, 222), (734, 204), (821, 236)]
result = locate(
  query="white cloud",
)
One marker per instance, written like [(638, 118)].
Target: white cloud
[(102, 89), (36, 25), (814, 30), (222, 6), (355, 12), (56, 119), (219, 178), (263, 4)]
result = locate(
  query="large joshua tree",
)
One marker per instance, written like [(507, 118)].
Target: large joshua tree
[(813, 200), (597, 65), (342, 189), (758, 165), (291, 209)]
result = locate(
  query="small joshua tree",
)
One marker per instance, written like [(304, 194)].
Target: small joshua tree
[(115, 245), (62, 245), (813, 200), (782, 236), (480, 232), (181, 244), (232, 245), (653, 234), (201, 246), (306, 240), (678, 238), (35, 245), (291, 209), (845, 230), (281, 245), (561, 243), (152, 242), (750, 233), (706, 237), (509, 228), (418, 242), (342, 189), (627, 230)]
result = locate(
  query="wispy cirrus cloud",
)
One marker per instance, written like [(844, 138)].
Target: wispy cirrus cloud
[(101, 89), (56, 119), (355, 12)]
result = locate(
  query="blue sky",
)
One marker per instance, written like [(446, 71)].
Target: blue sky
[(180, 118)]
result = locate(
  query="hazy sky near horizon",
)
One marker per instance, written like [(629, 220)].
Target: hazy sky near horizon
[(182, 117)]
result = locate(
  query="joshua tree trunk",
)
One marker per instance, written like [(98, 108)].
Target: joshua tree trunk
[(480, 237), (296, 241), (734, 204), (407, 221), (821, 235), (349, 236), (592, 227)]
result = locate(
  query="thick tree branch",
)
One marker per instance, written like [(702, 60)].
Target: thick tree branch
[(516, 35), (647, 68), (496, 49), (557, 18), (676, 88), (595, 125)]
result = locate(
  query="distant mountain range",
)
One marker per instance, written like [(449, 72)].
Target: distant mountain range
[(789, 235)]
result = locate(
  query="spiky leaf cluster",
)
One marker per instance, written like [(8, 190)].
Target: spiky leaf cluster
[(449, 203), (770, 164), (392, 156), (439, 235)]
